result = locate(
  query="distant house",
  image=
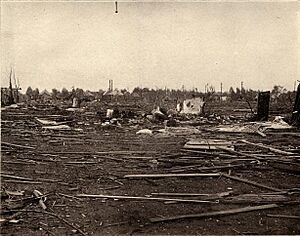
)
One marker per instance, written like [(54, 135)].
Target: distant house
[(191, 106)]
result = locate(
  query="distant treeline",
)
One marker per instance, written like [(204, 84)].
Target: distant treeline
[(278, 94)]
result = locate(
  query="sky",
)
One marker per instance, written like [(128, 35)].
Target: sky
[(147, 44)]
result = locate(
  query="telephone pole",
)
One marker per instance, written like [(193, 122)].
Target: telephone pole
[(221, 92), (11, 96)]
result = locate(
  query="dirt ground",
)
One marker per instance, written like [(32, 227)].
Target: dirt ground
[(63, 164)]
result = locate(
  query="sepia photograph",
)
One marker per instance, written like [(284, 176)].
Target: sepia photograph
[(150, 117)]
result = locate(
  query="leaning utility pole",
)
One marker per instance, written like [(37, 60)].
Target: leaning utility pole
[(11, 96), (16, 88)]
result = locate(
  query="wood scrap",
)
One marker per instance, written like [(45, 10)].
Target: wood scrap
[(14, 193), (142, 198), (172, 175), (251, 182), (115, 224), (271, 149), (39, 194), (17, 145), (31, 198), (15, 177), (199, 168), (240, 153), (208, 144), (194, 194), (54, 215), (69, 196), (22, 182), (201, 152), (7, 219), (257, 198), (18, 163), (283, 216), (215, 213)]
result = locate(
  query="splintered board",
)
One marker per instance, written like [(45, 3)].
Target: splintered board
[(208, 144)]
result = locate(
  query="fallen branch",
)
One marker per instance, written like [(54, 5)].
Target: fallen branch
[(215, 213)]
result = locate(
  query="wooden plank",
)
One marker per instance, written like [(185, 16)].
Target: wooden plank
[(271, 149), (194, 194), (172, 175), (283, 216), (251, 182), (16, 145), (22, 182), (143, 198), (240, 153), (201, 168), (15, 177), (215, 213)]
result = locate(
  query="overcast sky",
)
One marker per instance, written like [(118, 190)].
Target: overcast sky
[(150, 44)]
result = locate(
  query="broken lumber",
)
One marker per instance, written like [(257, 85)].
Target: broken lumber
[(257, 198), (15, 177), (271, 149), (38, 195), (251, 182), (215, 213), (172, 175), (16, 145), (240, 153), (283, 216), (22, 182), (54, 215), (142, 198), (194, 194), (200, 168), (201, 152)]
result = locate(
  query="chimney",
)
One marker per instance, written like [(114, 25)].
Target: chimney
[(110, 85)]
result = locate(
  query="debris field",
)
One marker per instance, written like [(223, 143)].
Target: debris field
[(68, 173)]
